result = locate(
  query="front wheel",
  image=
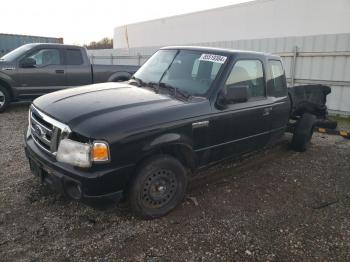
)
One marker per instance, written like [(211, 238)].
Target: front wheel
[(158, 187), (303, 132), (4, 98)]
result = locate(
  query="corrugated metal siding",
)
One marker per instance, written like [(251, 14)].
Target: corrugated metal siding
[(9, 42), (251, 20), (308, 69)]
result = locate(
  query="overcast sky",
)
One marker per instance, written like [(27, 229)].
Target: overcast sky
[(83, 21)]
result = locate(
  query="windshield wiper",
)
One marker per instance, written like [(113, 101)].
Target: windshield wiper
[(156, 86), (153, 85), (176, 91), (137, 81), (140, 83)]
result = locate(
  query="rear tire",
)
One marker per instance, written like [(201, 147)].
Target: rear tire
[(303, 132), (158, 187), (4, 98)]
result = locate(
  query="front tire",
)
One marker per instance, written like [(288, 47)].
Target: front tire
[(4, 98), (303, 132), (158, 187)]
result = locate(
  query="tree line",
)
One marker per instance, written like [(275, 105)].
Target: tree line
[(105, 43)]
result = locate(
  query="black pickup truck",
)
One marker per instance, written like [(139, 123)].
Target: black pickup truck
[(36, 69), (184, 109)]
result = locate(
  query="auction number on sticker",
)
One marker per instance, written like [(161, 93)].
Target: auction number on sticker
[(213, 58)]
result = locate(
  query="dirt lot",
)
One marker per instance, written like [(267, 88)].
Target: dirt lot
[(276, 205)]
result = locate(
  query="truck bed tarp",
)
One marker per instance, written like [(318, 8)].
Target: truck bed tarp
[(309, 99)]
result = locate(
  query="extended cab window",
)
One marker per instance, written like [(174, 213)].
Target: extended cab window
[(277, 84), (45, 57), (74, 57), (248, 73)]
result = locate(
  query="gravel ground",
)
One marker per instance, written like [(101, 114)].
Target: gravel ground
[(275, 205)]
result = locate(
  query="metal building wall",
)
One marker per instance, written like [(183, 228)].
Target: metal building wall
[(8, 42), (321, 59), (251, 20)]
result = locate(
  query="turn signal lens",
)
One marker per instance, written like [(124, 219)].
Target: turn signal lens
[(99, 152), (343, 133)]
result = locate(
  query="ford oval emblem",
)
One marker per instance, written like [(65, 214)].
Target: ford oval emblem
[(39, 131)]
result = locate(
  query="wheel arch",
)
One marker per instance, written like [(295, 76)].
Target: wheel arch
[(6, 85), (173, 144), (119, 76)]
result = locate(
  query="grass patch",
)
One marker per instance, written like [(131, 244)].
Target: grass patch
[(343, 121)]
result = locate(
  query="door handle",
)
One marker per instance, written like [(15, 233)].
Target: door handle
[(267, 111), (59, 71)]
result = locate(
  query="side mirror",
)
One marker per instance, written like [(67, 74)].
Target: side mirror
[(233, 94), (237, 94), (28, 63)]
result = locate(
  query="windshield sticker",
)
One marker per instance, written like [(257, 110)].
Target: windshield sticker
[(213, 58)]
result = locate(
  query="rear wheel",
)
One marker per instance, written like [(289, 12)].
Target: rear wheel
[(158, 187), (4, 98), (303, 132)]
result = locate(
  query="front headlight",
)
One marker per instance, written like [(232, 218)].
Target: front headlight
[(82, 155), (74, 153)]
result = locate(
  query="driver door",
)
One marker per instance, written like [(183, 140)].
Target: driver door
[(242, 126), (46, 75)]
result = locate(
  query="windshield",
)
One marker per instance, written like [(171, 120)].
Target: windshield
[(185, 70), (13, 55)]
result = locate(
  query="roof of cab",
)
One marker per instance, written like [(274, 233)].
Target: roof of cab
[(54, 45), (220, 50)]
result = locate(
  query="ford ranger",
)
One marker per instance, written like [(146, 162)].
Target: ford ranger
[(35, 69), (184, 109)]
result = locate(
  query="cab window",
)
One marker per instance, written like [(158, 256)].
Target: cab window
[(45, 57), (248, 73), (277, 84), (74, 57)]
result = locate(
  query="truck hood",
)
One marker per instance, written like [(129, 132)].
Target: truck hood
[(97, 110), (74, 105), (6, 65)]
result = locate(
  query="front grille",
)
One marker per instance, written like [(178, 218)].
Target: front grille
[(46, 131)]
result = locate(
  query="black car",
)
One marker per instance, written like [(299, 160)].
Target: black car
[(185, 108)]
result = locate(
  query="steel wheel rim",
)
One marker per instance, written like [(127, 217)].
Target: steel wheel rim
[(2, 98), (159, 188)]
